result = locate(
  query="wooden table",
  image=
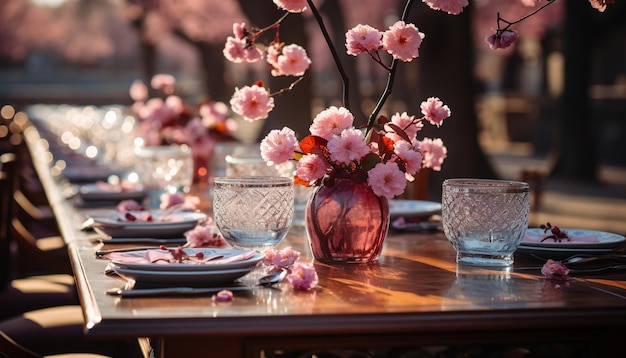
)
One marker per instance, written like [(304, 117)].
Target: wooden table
[(414, 297)]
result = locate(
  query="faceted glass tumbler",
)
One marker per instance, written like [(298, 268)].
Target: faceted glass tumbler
[(485, 220), (253, 212)]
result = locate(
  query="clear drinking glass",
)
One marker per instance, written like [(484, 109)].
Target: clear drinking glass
[(485, 220), (253, 212), (163, 169), (248, 164)]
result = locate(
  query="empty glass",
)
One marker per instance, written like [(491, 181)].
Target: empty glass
[(164, 169), (485, 220), (249, 164), (253, 212)]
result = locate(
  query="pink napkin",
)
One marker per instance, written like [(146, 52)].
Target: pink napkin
[(165, 257), (537, 237)]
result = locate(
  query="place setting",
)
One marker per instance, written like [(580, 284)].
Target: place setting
[(158, 226), (581, 251), (101, 191), (252, 214), (167, 268)]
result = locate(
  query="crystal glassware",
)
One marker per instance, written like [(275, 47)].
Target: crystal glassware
[(253, 212), (163, 169), (485, 220)]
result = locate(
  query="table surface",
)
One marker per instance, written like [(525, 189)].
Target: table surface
[(414, 295)]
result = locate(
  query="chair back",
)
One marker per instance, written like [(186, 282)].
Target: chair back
[(7, 184)]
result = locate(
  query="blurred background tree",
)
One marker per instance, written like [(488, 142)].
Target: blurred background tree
[(558, 96)]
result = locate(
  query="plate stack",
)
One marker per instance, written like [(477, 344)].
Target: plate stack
[(215, 266)]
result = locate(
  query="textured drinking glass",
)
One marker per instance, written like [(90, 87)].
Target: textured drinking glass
[(253, 212), (485, 220), (248, 164)]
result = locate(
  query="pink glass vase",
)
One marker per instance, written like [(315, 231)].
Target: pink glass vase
[(347, 222)]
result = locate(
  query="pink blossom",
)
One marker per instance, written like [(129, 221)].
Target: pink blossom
[(407, 123), (129, 205), (239, 30), (529, 3), (403, 41), (186, 203), (502, 39), (292, 61), (235, 50), (278, 146), (600, 5), (311, 167), (213, 114), (292, 5), (555, 270), (363, 38), (204, 235), (156, 110), (434, 153), (386, 179), (453, 7), (410, 154), (223, 296), (252, 102), (348, 147), (303, 276), (284, 258), (435, 111), (273, 51), (171, 199), (239, 50), (163, 82), (138, 91), (331, 121), (176, 104)]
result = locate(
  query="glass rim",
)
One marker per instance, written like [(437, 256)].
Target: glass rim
[(253, 181), (486, 185)]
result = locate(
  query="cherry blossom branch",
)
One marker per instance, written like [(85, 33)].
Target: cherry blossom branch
[(378, 60), (390, 78), (286, 89), (344, 77), (275, 25), (511, 23)]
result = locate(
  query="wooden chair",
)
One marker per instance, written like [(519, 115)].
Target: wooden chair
[(20, 293), (38, 248), (57, 332)]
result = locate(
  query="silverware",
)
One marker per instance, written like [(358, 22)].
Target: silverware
[(581, 271), (272, 278), (172, 291)]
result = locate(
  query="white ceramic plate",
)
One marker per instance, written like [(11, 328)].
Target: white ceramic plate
[(587, 239), (557, 253), (181, 277), (398, 208), (214, 265), (181, 222), (92, 192)]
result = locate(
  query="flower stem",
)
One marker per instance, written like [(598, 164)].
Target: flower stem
[(329, 42), (390, 79), (510, 23)]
